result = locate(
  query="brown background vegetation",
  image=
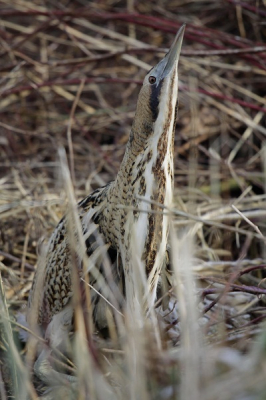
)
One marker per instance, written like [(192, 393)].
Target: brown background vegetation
[(70, 72)]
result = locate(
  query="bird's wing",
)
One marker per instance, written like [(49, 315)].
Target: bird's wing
[(53, 287)]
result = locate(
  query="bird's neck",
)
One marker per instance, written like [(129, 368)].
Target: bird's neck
[(136, 200), (150, 146), (143, 187)]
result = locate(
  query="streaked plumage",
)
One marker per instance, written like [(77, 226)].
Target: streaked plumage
[(125, 215)]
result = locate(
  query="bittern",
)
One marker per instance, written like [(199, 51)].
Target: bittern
[(126, 214)]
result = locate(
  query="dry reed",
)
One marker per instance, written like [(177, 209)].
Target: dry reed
[(69, 77)]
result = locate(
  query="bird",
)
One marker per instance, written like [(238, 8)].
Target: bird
[(124, 217)]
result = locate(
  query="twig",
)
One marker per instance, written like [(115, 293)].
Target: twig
[(17, 260), (69, 126), (249, 222)]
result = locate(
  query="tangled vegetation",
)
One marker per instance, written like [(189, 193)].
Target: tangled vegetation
[(70, 73)]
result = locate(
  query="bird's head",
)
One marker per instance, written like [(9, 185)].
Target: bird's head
[(157, 101)]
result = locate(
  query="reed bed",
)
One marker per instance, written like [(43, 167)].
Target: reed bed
[(70, 73)]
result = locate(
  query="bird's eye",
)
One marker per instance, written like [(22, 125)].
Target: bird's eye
[(152, 79)]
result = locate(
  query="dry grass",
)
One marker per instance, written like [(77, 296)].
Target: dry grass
[(69, 77)]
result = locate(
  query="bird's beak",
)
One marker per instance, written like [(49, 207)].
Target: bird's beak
[(171, 59)]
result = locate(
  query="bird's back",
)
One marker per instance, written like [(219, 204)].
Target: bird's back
[(52, 288)]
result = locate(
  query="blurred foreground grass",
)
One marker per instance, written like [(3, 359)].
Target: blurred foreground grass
[(69, 77)]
